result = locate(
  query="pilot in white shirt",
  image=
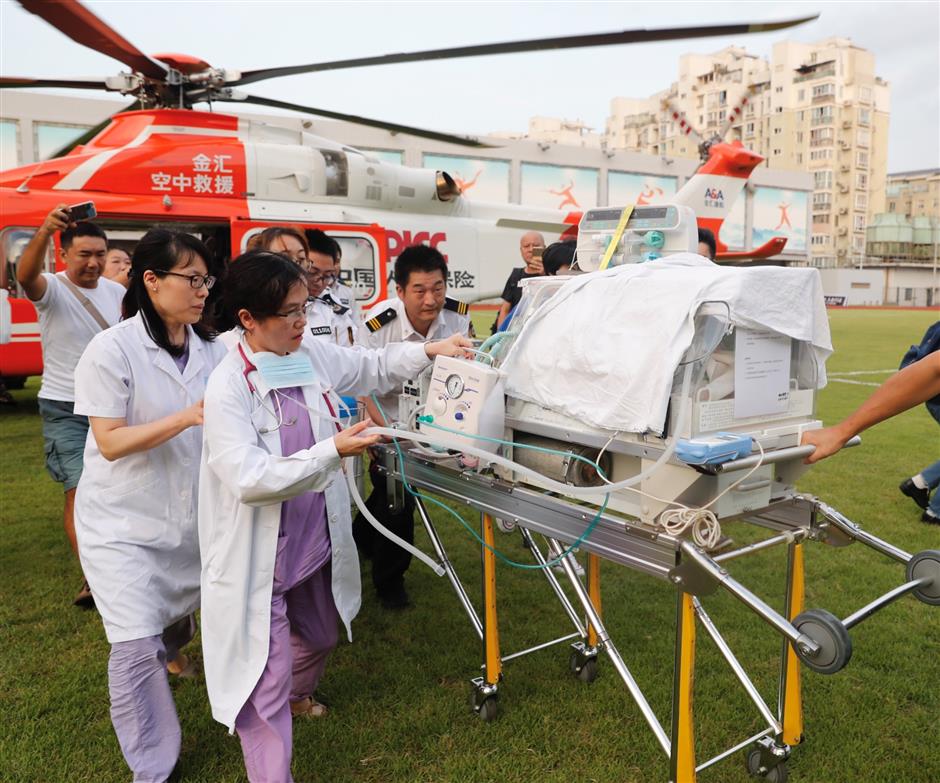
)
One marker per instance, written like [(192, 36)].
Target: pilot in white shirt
[(339, 291), (421, 313), (327, 318)]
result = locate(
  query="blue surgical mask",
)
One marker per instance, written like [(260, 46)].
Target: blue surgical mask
[(284, 372)]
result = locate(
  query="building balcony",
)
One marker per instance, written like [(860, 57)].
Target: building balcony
[(828, 98), (817, 73)]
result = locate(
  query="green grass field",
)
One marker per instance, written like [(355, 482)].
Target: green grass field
[(399, 694)]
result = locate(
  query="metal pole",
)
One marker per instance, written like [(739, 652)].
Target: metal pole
[(606, 644), (783, 538), (879, 603), (852, 530), (757, 605), (736, 666), (455, 582), (553, 581)]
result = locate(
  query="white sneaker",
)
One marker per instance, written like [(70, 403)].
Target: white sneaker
[(578, 568)]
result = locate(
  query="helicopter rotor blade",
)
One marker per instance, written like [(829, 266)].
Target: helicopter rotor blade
[(14, 82), (685, 127), (736, 112), (82, 26), (537, 44), (92, 132), (464, 141)]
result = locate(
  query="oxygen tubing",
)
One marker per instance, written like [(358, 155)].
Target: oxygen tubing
[(360, 504), (555, 486), (436, 567)]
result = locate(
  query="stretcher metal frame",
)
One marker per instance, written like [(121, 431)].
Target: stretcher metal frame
[(814, 638)]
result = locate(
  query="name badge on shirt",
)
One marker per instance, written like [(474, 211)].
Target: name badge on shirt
[(318, 330)]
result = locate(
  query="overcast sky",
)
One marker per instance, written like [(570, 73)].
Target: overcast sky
[(478, 95)]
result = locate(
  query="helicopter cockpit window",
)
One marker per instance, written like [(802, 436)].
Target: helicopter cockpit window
[(337, 172), (13, 242), (358, 265)]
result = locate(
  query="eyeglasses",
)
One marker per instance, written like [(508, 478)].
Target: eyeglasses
[(297, 313), (315, 276), (195, 281)]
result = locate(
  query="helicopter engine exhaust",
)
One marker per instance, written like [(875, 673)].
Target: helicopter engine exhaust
[(447, 188)]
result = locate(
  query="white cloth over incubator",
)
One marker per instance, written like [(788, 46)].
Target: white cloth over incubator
[(603, 349)]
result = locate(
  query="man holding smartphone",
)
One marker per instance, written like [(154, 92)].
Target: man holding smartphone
[(531, 247), (73, 306)]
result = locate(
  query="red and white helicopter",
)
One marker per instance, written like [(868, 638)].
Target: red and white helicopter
[(224, 177)]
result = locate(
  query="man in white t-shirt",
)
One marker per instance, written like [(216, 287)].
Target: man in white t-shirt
[(73, 306)]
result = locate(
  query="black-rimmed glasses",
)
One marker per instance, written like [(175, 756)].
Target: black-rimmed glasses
[(195, 281)]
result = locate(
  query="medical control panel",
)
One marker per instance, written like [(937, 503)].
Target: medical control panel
[(465, 397), (637, 233)]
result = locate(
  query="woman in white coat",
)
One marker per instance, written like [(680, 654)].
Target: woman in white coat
[(141, 383), (279, 566)]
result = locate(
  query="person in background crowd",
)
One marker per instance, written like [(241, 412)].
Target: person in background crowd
[(73, 306), (919, 487), (531, 247), (283, 239), (326, 318), (557, 259), (279, 563), (6, 335), (339, 291), (117, 265), (916, 383), (706, 244), (141, 384), (422, 312)]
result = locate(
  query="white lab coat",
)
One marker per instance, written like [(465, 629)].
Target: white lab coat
[(244, 480), (135, 517)]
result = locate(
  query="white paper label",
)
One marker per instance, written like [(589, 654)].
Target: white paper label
[(761, 373)]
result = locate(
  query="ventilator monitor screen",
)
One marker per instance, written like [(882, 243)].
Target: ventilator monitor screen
[(642, 218)]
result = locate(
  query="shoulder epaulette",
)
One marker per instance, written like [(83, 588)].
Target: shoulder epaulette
[(385, 317), (462, 308), (336, 306)]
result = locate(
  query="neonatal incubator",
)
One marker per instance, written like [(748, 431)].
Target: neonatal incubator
[(629, 411)]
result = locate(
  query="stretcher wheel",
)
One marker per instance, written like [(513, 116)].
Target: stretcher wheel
[(777, 774), (585, 669), (926, 563), (827, 630), (489, 709)]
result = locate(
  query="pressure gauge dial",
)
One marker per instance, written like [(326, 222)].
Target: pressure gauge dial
[(454, 386)]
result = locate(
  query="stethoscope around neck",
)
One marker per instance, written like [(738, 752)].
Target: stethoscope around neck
[(276, 394)]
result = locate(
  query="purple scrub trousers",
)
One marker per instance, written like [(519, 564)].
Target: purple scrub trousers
[(304, 620), (142, 708)]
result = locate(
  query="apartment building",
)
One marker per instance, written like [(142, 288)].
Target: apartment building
[(914, 193), (815, 107)]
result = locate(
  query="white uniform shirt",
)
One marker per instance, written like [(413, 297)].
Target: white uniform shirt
[(329, 320), (399, 329), (66, 328), (135, 517), (343, 294)]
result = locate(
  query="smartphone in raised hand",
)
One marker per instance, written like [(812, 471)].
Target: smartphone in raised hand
[(84, 211)]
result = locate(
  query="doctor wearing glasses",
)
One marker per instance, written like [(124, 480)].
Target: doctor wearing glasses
[(141, 384), (279, 566)]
